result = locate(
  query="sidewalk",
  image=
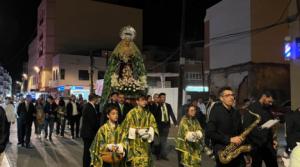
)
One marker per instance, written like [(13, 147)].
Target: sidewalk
[(5, 162)]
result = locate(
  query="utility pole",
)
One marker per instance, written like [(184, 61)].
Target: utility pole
[(181, 59), (92, 72)]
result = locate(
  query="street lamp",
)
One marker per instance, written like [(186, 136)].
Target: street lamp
[(36, 69), (25, 76), (19, 83)]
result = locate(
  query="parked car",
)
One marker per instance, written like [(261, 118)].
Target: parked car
[(280, 110)]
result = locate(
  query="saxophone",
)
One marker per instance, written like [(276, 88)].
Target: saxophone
[(232, 150)]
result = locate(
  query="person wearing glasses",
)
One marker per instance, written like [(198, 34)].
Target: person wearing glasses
[(263, 141), (224, 126)]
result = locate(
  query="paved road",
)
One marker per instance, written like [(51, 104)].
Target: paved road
[(64, 152)]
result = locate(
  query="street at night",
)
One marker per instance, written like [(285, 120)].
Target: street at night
[(144, 83)]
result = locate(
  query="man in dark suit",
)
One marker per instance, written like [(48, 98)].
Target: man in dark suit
[(74, 114), (124, 107), (3, 132), (25, 113), (261, 140), (50, 110), (90, 126), (153, 107), (292, 128), (113, 101), (165, 113)]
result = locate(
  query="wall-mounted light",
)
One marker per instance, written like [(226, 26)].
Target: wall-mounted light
[(25, 76), (291, 48), (36, 69), (18, 83)]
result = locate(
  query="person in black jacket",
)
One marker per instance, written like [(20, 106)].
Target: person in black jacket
[(123, 107), (74, 114), (293, 128), (25, 113), (199, 114), (164, 114), (154, 106), (224, 126), (90, 126), (261, 140), (3, 132), (113, 101), (50, 110)]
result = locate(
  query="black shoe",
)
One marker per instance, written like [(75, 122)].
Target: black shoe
[(50, 138), (28, 146), (73, 137)]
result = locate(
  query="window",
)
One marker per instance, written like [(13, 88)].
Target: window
[(83, 75), (56, 74), (196, 76), (101, 74), (41, 48), (53, 75), (62, 74)]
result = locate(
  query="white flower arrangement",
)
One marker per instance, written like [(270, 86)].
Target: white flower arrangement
[(128, 84)]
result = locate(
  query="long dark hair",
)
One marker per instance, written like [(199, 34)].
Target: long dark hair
[(187, 109)]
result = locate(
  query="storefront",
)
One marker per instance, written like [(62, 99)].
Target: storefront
[(66, 91)]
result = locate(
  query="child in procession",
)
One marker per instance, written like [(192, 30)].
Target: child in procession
[(139, 127), (189, 139), (109, 138)]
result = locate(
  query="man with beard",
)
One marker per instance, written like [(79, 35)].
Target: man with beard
[(261, 140)]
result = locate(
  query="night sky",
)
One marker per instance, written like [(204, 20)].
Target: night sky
[(161, 25)]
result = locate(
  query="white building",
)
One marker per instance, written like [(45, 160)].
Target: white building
[(5, 83), (294, 32), (71, 74), (241, 57), (67, 27)]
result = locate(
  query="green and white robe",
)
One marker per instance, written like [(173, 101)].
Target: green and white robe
[(189, 143), (106, 135), (137, 121)]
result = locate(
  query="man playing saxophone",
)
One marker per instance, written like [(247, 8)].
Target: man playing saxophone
[(224, 126), (261, 140)]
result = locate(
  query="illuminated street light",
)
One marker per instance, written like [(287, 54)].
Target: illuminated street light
[(25, 76), (36, 69), (18, 82)]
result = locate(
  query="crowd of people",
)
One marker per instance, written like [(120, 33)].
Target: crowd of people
[(126, 132)]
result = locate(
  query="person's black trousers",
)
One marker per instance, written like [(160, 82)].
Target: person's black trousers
[(25, 133), (163, 141), (63, 126), (266, 154), (28, 133), (8, 131), (58, 126), (75, 120), (19, 131), (87, 142)]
